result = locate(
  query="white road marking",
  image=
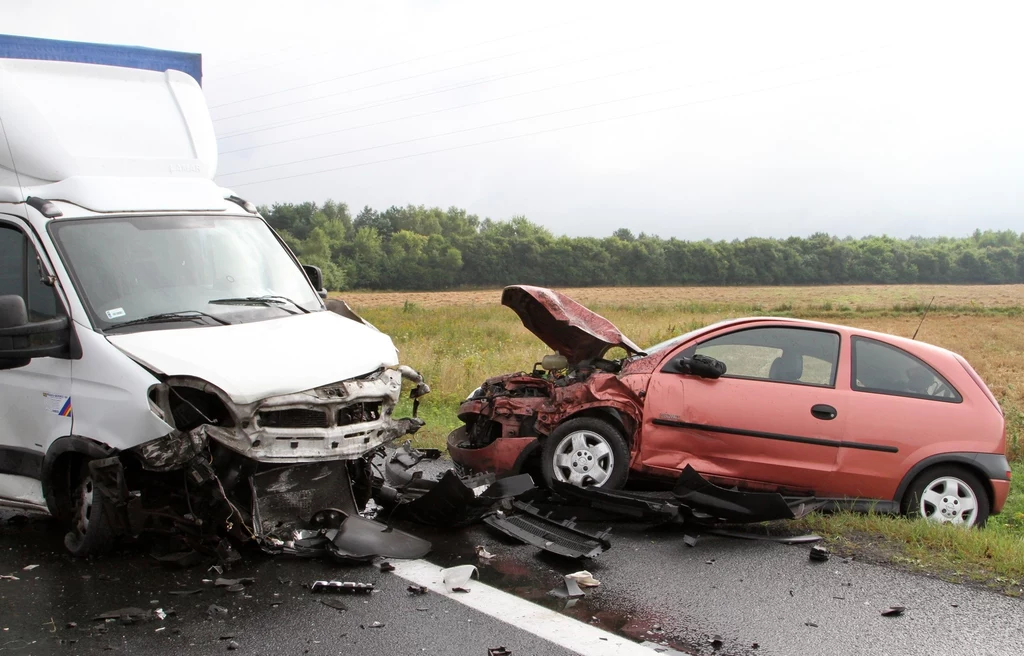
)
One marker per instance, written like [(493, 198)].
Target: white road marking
[(524, 615)]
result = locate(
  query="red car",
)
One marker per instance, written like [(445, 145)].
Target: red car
[(761, 404)]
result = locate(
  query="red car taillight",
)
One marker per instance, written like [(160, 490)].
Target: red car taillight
[(977, 379)]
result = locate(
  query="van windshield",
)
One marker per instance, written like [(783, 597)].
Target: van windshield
[(141, 268)]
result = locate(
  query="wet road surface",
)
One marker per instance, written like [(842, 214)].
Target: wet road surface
[(654, 588)]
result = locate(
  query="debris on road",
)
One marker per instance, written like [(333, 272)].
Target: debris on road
[(29, 568), (584, 578), (893, 611), (334, 603), (569, 589), (818, 554), (417, 589), (498, 651), (350, 587), (482, 553), (529, 526), (690, 540), (387, 567), (227, 583), (456, 578), (808, 538), (811, 624), (233, 645)]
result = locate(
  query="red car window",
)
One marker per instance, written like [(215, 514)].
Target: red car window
[(786, 355), (885, 369)]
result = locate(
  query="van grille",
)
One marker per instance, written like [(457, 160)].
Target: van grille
[(358, 413), (293, 418)]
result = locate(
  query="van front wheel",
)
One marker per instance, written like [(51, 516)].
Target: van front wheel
[(89, 532)]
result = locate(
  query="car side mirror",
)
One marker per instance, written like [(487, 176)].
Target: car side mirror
[(697, 365), (16, 348), (316, 278)]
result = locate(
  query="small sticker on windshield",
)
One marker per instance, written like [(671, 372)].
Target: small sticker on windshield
[(116, 313)]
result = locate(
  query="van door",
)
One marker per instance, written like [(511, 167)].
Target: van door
[(35, 400)]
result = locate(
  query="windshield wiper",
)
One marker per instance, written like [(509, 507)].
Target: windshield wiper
[(167, 317), (271, 300)]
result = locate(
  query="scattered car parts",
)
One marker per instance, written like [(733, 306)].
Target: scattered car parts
[(564, 538)]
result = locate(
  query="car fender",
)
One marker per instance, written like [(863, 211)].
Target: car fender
[(989, 466)]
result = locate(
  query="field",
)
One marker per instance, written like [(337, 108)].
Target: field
[(457, 339)]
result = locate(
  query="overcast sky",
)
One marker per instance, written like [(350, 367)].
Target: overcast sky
[(685, 119)]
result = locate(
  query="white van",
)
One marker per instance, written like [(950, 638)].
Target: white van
[(164, 358)]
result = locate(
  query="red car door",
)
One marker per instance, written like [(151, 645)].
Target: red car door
[(774, 420)]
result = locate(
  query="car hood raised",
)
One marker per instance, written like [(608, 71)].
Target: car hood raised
[(253, 361), (563, 324)]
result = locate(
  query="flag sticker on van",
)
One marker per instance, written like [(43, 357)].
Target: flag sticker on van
[(58, 404)]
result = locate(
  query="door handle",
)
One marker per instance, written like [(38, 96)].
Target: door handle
[(822, 411)]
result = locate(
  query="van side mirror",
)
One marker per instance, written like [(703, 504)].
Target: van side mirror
[(695, 365), (316, 278), (16, 348)]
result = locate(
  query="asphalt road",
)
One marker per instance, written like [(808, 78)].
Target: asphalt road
[(654, 588)]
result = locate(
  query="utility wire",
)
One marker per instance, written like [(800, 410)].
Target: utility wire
[(517, 120), (378, 68), (463, 130), (347, 91), (445, 89), (439, 111), (557, 129)]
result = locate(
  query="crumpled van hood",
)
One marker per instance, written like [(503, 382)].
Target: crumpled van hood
[(252, 361), (563, 324)]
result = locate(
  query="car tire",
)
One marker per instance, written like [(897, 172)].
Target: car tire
[(586, 452), (89, 530), (943, 494)]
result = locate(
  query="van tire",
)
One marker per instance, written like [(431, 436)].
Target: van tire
[(89, 530)]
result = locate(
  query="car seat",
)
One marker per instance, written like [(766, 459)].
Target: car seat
[(788, 367)]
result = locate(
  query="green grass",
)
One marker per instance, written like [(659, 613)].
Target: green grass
[(992, 556)]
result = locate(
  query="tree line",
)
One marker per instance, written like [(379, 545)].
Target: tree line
[(428, 248)]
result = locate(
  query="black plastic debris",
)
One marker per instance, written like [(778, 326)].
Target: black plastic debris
[(214, 609), (417, 589), (811, 624), (893, 611), (182, 593), (819, 554), (334, 603), (697, 493), (563, 538), (690, 540), (130, 614), (363, 539), (230, 583), (569, 589), (622, 504), (715, 642), (452, 502), (808, 538), (350, 587), (387, 567), (180, 559), (498, 651)]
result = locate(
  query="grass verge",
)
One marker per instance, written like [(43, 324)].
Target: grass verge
[(992, 556)]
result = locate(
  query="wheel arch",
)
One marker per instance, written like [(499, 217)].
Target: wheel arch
[(56, 470), (623, 422), (977, 463)]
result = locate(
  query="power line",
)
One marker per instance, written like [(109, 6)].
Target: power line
[(463, 130), (516, 120), (557, 129), (431, 92), (407, 61), (439, 111), (368, 86)]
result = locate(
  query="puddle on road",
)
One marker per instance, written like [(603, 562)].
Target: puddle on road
[(534, 575)]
